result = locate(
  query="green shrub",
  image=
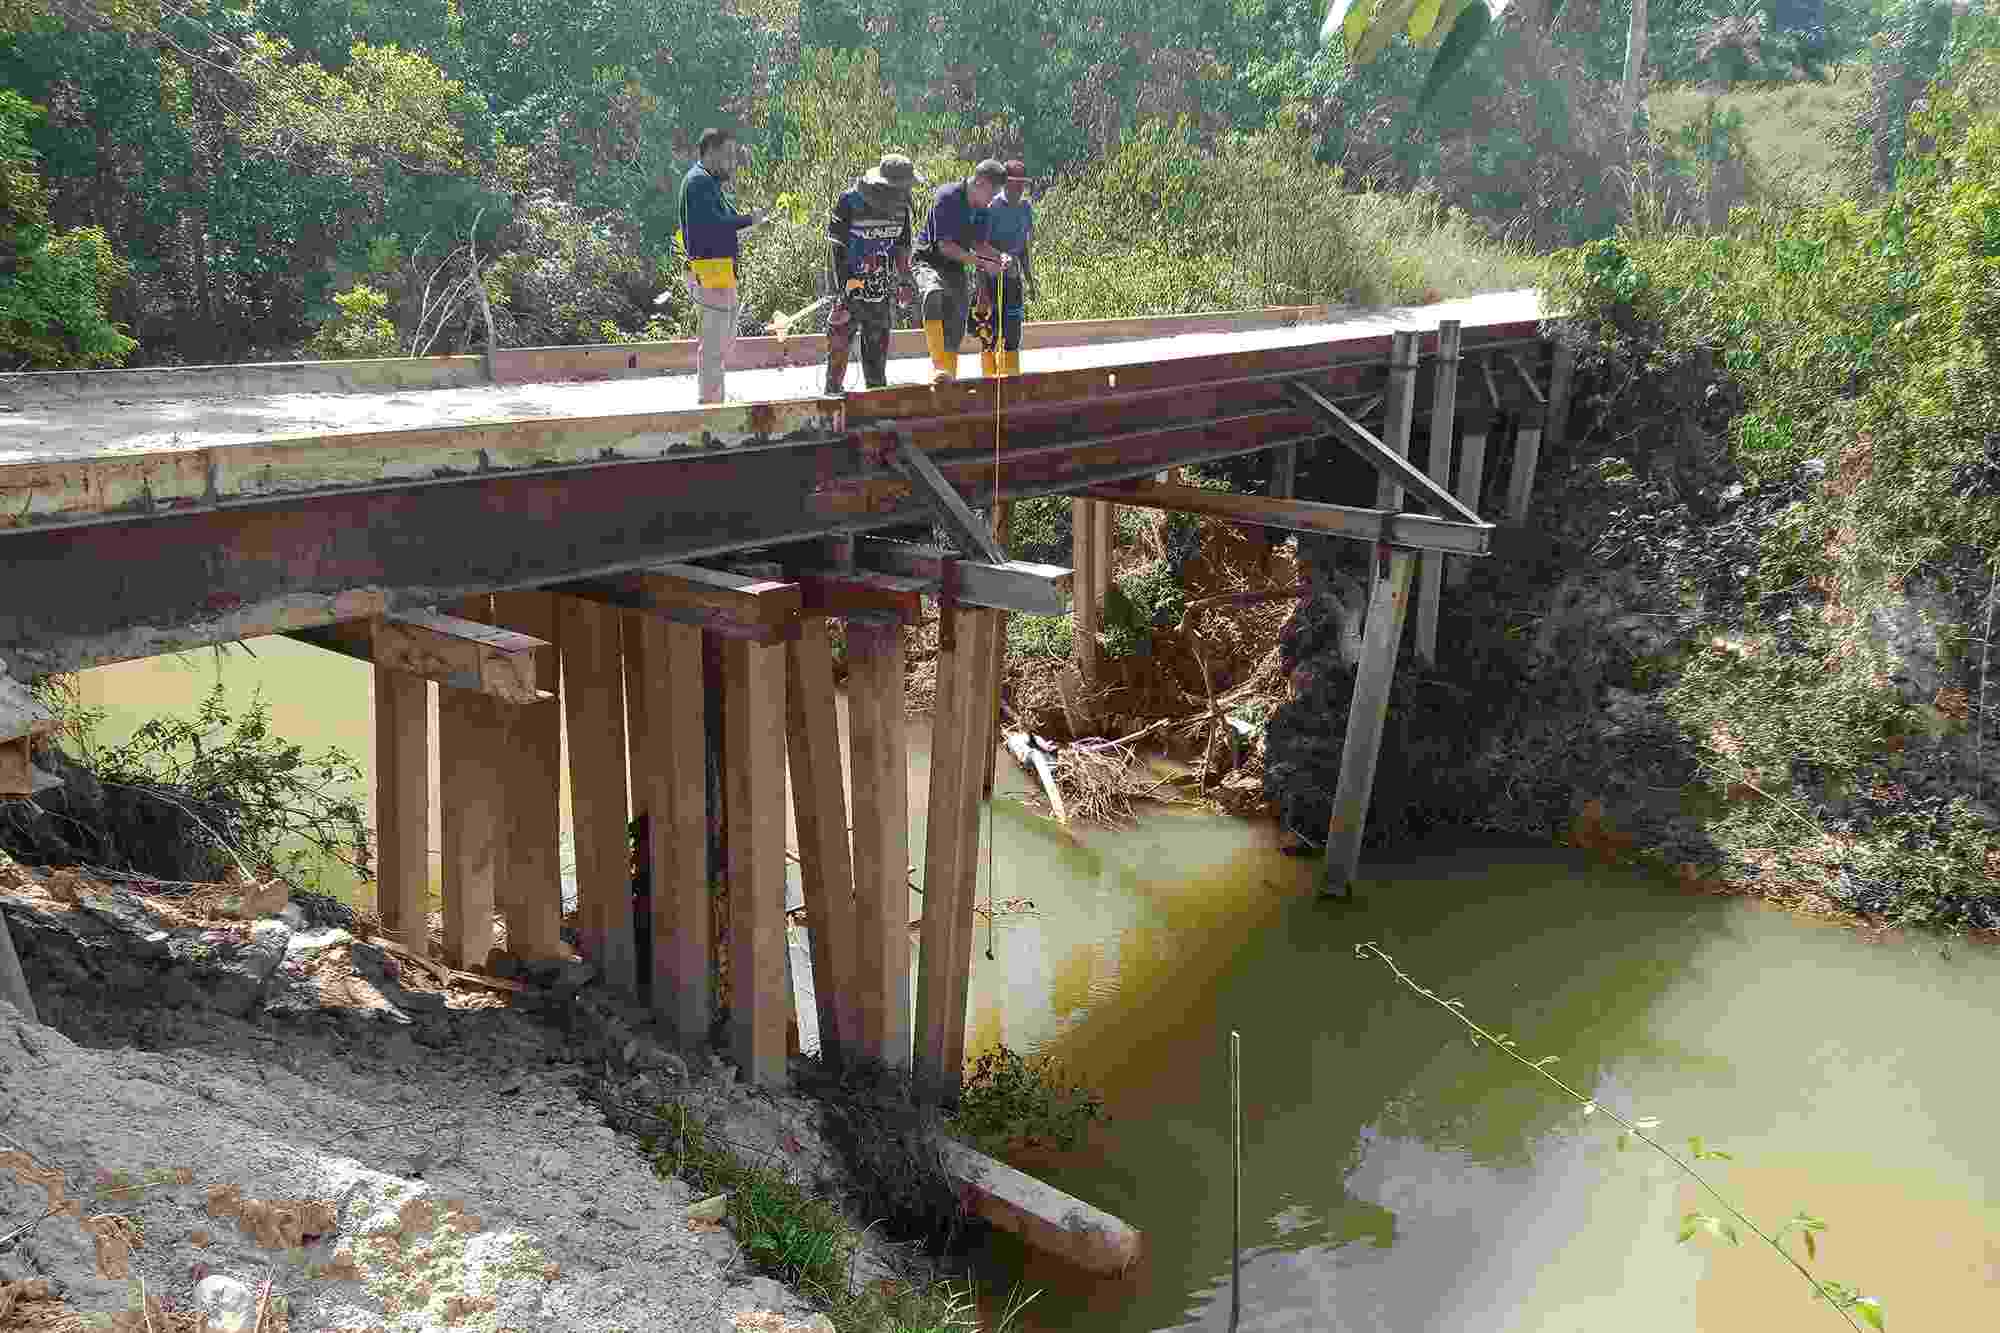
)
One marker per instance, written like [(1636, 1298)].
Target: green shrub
[(359, 330), (1014, 1101)]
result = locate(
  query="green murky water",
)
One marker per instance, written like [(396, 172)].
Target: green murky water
[(1397, 1178)]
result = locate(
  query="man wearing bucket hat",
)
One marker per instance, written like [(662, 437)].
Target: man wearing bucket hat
[(869, 253), (1010, 228), (953, 237)]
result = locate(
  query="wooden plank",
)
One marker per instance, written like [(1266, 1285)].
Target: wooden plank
[(1391, 462), (878, 750), (754, 773), (1284, 472), (1019, 585), (1562, 372), (839, 593), (1471, 482), (736, 605), (531, 889), (1089, 608), (460, 653), (983, 627), (1521, 480), (1527, 379), (403, 806), (1397, 408), (676, 794), (1419, 531), (1437, 465), (588, 637), (826, 867), (1003, 520), (966, 528), (473, 753), (951, 847), (1040, 1214), (1388, 602)]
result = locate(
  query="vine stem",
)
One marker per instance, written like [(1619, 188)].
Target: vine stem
[(1591, 1104)]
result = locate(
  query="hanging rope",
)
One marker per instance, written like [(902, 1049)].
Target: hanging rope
[(1000, 651)]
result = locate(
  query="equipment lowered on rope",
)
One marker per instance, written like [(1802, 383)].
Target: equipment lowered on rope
[(985, 324)]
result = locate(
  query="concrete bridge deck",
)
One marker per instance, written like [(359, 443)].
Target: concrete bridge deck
[(61, 416)]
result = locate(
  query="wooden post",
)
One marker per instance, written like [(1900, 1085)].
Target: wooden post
[(403, 807), (1382, 635), (1397, 411), (878, 750), (1562, 372), (531, 886), (1003, 521), (714, 763), (640, 764), (673, 779), (594, 710), (980, 738), (1444, 417), (1471, 481), (472, 812), (1285, 472), (13, 981), (1089, 604), (1521, 484), (1104, 531), (951, 850), (819, 807), (754, 776)]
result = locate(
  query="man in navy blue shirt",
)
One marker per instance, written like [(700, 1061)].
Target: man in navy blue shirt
[(954, 237), (710, 226), (1010, 229)]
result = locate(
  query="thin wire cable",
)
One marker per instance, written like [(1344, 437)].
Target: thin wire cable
[(1000, 648)]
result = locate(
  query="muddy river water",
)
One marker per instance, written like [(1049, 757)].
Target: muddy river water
[(1396, 1178)]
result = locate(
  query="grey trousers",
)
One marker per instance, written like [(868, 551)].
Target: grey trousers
[(716, 308)]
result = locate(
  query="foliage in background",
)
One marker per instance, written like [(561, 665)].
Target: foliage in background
[(53, 284), (1848, 350), (359, 330)]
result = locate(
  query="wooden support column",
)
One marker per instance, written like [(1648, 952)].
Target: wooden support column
[(1397, 411), (1444, 419), (1003, 523), (639, 766), (670, 773), (1562, 373), (403, 806), (1388, 602), (878, 755), (1472, 462), (594, 711), (531, 886), (473, 750), (754, 777), (1088, 602), (1527, 452), (1285, 473), (951, 852), (819, 807)]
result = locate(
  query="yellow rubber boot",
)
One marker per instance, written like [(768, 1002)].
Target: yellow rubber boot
[(1010, 361), (944, 364), (989, 362)]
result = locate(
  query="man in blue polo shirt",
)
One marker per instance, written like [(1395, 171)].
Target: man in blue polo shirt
[(1010, 229), (953, 238), (710, 225)]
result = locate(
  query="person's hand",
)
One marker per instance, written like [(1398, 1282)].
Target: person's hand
[(906, 292)]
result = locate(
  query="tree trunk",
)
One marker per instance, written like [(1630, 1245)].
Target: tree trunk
[(1635, 61)]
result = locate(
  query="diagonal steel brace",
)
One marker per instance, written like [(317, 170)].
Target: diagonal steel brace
[(1380, 456), (966, 528)]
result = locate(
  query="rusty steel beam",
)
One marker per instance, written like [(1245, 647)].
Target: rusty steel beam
[(121, 587)]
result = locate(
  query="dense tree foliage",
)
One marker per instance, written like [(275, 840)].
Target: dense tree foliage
[(253, 160)]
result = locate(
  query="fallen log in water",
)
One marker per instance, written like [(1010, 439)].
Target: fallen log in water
[(1041, 1214)]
